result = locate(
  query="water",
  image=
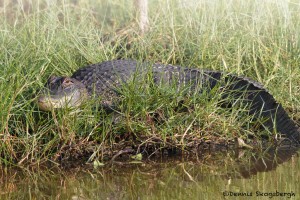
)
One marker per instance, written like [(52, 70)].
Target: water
[(211, 176)]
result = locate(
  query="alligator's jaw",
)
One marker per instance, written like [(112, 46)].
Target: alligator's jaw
[(47, 103)]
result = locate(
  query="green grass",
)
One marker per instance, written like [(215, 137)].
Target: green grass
[(256, 39)]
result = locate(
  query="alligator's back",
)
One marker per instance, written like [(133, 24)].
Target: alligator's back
[(109, 75), (104, 78)]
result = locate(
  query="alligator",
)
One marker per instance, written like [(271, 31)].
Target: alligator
[(103, 80)]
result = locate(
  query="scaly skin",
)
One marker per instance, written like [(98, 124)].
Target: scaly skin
[(105, 78)]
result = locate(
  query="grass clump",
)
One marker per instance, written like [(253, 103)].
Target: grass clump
[(257, 39)]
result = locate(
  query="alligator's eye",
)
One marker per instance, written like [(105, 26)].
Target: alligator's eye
[(67, 82)]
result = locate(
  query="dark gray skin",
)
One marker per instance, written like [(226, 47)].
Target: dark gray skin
[(103, 79)]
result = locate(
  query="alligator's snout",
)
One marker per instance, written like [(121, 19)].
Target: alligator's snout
[(44, 103), (62, 92)]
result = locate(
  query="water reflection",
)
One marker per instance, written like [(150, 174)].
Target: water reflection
[(209, 175), (267, 161)]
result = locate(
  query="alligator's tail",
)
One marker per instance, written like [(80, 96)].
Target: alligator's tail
[(262, 104)]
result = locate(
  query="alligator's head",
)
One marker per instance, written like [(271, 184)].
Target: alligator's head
[(62, 92)]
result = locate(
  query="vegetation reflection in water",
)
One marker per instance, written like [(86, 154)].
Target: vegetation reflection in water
[(211, 175)]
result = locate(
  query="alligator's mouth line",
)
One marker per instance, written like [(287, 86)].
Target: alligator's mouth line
[(50, 102)]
